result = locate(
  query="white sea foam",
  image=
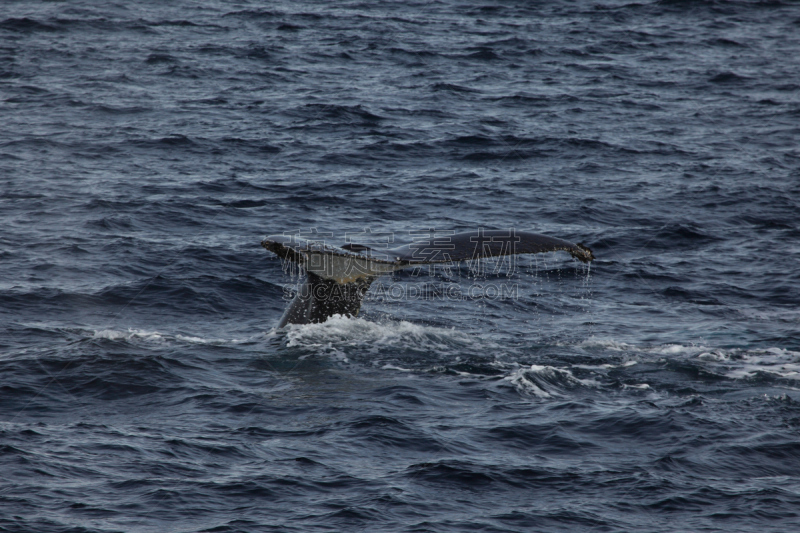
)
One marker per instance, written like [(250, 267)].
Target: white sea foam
[(344, 332), (748, 364), (115, 335), (734, 363), (546, 381), (675, 349), (607, 366), (737, 363), (522, 382), (607, 344), (395, 367), (594, 343), (132, 334)]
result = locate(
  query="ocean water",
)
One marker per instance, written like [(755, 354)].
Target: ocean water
[(147, 147)]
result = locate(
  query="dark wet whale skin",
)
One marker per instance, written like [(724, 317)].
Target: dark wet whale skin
[(318, 299)]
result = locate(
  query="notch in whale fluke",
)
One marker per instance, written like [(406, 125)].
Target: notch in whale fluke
[(337, 278)]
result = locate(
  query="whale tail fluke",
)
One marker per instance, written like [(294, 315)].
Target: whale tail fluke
[(337, 278)]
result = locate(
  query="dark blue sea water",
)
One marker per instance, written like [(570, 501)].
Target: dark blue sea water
[(147, 147)]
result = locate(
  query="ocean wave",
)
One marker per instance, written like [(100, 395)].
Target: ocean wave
[(140, 335), (732, 363), (147, 148), (547, 381), (340, 333)]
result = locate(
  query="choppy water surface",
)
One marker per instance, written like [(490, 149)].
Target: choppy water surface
[(147, 147)]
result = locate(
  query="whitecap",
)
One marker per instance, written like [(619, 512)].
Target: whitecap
[(132, 334), (546, 381), (520, 380), (343, 332), (129, 334)]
